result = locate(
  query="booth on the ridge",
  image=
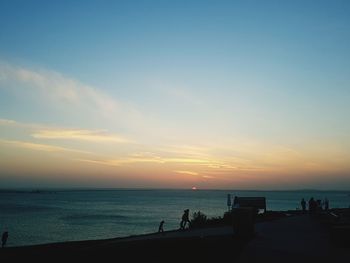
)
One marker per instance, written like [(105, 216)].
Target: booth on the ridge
[(257, 203)]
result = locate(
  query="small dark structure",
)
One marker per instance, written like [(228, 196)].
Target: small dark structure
[(253, 202), (244, 212)]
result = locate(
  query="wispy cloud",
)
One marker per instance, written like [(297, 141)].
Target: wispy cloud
[(40, 147), (186, 150), (85, 135), (121, 161), (180, 162), (22, 125), (65, 97), (186, 172), (56, 87), (42, 131), (183, 94), (6, 122), (179, 92), (208, 177), (155, 159)]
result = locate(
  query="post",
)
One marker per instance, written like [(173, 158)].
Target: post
[(229, 203)]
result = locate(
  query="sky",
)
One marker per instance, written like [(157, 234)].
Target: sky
[(175, 94)]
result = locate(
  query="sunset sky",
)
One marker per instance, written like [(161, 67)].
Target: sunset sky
[(175, 94)]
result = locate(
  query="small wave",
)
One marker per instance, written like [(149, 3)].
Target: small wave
[(93, 217), (18, 208), (37, 191)]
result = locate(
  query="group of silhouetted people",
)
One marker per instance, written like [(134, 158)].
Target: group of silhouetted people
[(184, 221), (315, 205)]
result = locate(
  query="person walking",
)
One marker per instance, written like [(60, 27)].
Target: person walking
[(185, 219), (161, 229)]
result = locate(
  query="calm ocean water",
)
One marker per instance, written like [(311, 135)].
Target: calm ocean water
[(46, 217)]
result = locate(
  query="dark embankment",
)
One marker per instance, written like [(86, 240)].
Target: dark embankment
[(209, 249), (279, 237)]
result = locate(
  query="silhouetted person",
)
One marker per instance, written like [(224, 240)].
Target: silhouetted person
[(303, 204), (318, 205), (315, 205), (326, 204), (235, 202), (185, 219), (312, 205), (160, 229), (4, 238)]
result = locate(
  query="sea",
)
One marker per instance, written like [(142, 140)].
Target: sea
[(50, 216)]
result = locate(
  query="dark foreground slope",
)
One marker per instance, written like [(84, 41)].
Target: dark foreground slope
[(295, 238), (209, 249)]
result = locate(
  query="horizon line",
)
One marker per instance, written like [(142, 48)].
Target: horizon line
[(72, 188)]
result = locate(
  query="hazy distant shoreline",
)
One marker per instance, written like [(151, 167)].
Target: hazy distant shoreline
[(67, 189)]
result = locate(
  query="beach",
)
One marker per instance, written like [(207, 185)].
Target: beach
[(290, 238)]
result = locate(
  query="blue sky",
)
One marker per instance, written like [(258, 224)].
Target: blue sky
[(241, 82)]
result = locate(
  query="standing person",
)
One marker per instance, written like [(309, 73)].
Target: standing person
[(318, 205), (185, 219), (326, 204), (4, 238), (312, 206), (303, 205), (235, 202), (160, 229)]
